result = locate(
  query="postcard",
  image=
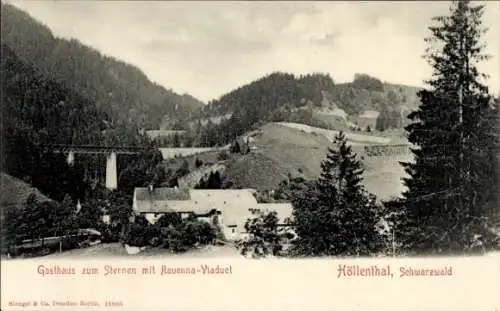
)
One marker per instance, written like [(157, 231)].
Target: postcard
[(248, 155)]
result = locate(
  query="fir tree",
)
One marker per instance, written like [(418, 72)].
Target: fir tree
[(336, 216), (176, 141), (450, 181), (235, 147)]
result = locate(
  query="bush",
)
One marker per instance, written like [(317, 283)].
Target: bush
[(196, 232), (170, 231), (136, 235), (198, 163), (168, 219), (265, 237), (172, 238)]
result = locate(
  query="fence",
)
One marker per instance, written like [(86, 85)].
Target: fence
[(387, 150)]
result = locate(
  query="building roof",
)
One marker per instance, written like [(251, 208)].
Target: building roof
[(161, 194), (199, 201), (223, 196), (235, 204), (145, 206)]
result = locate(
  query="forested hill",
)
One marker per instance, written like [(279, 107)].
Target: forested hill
[(271, 92), (37, 111), (309, 99), (282, 89), (120, 90), (44, 110)]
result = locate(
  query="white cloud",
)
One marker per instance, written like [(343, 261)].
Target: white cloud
[(208, 48)]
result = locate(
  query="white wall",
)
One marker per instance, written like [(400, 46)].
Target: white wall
[(152, 218), (106, 219)]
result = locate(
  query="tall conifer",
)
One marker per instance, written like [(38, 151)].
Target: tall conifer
[(336, 216), (450, 184)]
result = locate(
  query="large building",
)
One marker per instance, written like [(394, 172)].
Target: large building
[(231, 207)]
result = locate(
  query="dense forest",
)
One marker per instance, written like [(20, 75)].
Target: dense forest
[(57, 91), (37, 111), (120, 90)]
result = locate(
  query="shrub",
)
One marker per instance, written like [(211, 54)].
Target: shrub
[(195, 232), (265, 237), (198, 163), (136, 235), (170, 231), (172, 239), (168, 219)]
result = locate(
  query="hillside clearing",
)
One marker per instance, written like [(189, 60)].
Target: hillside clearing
[(283, 149), (330, 134), (14, 192)]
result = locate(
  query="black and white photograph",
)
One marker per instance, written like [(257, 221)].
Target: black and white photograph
[(251, 130)]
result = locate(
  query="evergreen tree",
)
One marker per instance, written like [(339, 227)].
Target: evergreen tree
[(212, 181), (336, 216), (450, 183), (183, 170), (176, 141), (265, 236), (198, 163), (235, 147)]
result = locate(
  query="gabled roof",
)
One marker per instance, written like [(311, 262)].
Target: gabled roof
[(161, 194), (235, 204), (223, 196), (146, 206)]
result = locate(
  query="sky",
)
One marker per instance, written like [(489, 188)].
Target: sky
[(207, 49)]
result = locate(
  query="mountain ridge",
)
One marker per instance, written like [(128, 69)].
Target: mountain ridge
[(312, 99), (121, 90)]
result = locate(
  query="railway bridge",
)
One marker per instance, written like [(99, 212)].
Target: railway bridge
[(109, 151)]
